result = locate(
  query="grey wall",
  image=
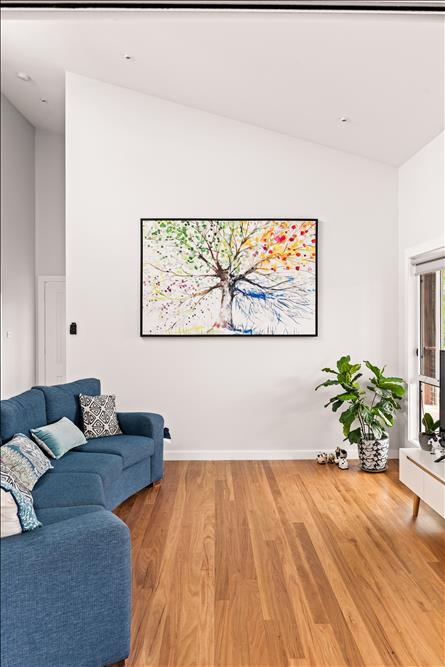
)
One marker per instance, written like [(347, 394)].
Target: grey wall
[(17, 251), (50, 203)]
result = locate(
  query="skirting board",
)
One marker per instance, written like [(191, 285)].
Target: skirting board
[(171, 454)]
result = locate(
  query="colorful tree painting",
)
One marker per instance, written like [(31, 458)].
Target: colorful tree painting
[(232, 277)]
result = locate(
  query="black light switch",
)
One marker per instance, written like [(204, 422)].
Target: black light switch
[(73, 328)]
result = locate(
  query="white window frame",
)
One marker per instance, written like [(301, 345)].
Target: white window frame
[(410, 336), (425, 379)]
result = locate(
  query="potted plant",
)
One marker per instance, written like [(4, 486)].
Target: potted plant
[(370, 409), (430, 435)]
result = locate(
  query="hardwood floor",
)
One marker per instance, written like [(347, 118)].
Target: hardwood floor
[(284, 563)]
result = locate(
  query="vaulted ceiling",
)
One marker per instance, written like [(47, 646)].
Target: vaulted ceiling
[(295, 73)]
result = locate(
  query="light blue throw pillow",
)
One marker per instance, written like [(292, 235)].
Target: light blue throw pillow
[(22, 497), (58, 438)]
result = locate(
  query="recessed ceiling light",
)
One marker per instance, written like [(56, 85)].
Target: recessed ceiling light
[(127, 56), (42, 99), (23, 76), (344, 119)]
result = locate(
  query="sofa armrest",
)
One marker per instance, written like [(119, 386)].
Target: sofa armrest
[(66, 593), (151, 425)]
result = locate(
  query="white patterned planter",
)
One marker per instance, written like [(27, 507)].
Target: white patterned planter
[(373, 454)]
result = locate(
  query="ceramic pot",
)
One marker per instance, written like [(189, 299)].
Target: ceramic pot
[(426, 441), (373, 454)]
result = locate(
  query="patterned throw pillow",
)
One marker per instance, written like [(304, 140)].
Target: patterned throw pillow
[(25, 460), (10, 522), (23, 499), (99, 416)]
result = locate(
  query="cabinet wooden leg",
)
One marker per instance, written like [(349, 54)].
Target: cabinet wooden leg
[(157, 483), (416, 503), (117, 664)]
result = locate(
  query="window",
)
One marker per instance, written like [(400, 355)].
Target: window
[(430, 269), (442, 298)]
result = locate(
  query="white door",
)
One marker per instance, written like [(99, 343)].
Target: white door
[(54, 332)]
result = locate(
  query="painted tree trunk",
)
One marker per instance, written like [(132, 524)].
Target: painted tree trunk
[(224, 318)]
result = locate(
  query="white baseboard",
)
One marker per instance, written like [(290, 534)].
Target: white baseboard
[(171, 454)]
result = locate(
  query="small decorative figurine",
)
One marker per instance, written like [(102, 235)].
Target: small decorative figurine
[(322, 458), (437, 449), (340, 454), (331, 458), (343, 464)]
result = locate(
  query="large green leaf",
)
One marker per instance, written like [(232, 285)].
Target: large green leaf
[(386, 408), (327, 383), (343, 363), (430, 425), (348, 416), (375, 369), (347, 397), (340, 398), (393, 379), (387, 419), (355, 436), (395, 389), (377, 430)]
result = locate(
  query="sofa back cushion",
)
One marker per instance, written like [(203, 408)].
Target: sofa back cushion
[(62, 400), (21, 413)]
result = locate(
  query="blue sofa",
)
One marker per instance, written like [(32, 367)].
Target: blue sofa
[(66, 587)]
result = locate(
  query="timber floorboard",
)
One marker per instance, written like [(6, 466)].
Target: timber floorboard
[(284, 564)]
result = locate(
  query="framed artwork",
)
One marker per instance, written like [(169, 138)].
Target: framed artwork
[(229, 277)]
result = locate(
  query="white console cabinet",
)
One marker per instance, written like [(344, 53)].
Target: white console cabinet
[(424, 477)]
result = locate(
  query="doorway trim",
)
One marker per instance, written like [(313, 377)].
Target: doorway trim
[(40, 337)]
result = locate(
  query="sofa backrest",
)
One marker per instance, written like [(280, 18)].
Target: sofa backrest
[(62, 400), (22, 412)]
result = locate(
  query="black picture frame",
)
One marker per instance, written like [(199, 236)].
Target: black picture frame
[(237, 336)]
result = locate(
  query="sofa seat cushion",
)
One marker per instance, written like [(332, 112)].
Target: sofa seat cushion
[(132, 448), (47, 515), (107, 466), (68, 489)]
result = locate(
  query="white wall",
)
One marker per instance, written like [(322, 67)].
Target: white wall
[(421, 201), (131, 156), (33, 236), (421, 196), (50, 202), (17, 251)]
